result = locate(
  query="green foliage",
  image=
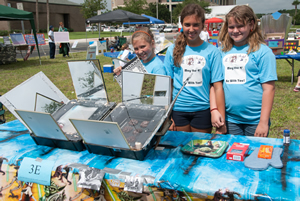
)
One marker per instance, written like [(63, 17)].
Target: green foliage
[(3, 33), (295, 3), (90, 7), (290, 12), (179, 7), (297, 18), (163, 12), (136, 6)]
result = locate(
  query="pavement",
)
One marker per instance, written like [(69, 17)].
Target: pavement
[(82, 46)]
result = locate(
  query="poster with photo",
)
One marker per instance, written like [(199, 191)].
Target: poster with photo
[(134, 65), (133, 184), (90, 178)]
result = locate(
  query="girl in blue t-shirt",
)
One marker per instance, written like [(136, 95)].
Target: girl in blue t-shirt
[(191, 56), (144, 47), (249, 74)]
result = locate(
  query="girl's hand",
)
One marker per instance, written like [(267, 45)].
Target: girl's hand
[(221, 130), (261, 130), (118, 70), (173, 126), (216, 119)]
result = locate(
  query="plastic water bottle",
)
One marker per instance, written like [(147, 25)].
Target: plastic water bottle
[(286, 136)]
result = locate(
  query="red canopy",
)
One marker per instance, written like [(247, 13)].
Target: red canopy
[(213, 20)]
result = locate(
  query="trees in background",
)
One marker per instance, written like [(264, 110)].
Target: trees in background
[(163, 12), (90, 7), (179, 7)]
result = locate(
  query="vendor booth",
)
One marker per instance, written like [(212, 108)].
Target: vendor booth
[(8, 13), (212, 25)]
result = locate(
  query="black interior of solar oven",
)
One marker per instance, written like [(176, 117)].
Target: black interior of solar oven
[(130, 118)]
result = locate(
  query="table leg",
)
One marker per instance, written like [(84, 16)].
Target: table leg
[(292, 65), (293, 70)]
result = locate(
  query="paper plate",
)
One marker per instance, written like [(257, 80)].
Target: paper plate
[(209, 148)]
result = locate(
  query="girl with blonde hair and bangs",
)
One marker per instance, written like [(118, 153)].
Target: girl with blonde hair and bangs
[(249, 68)]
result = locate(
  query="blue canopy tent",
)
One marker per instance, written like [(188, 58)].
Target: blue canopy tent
[(153, 20)]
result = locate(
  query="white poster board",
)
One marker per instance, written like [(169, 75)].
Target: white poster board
[(91, 52), (17, 39), (101, 47), (75, 44), (61, 37), (6, 40)]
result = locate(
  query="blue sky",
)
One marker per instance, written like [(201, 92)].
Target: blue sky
[(259, 6)]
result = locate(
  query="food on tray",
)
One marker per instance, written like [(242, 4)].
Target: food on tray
[(133, 122), (127, 129), (137, 131), (144, 124), (131, 139)]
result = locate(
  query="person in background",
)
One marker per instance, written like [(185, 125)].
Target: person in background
[(199, 106), (124, 53), (51, 42), (297, 87), (107, 43), (64, 47), (204, 35), (219, 27), (114, 43), (249, 67), (144, 47)]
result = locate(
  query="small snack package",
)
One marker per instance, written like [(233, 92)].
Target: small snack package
[(237, 152), (265, 151)]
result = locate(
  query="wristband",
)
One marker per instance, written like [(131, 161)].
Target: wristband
[(213, 109)]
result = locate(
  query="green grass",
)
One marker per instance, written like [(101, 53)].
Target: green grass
[(285, 113), (83, 35)]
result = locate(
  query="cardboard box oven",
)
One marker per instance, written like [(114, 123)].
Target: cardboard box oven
[(130, 130), (275, 41), (45, 110)]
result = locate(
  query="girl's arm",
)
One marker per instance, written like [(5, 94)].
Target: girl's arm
[(266, 107), (217, 116)]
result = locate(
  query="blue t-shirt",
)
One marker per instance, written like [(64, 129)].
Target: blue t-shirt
[(205, 63), (243, 78), (155, 66)]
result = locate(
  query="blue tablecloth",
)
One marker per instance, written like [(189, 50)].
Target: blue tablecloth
[(115, 55), (199, 175), (287, 56)]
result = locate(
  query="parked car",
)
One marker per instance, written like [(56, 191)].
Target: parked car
[(109, 29), (158, 28), (171, 28), (91, 28), (291, 36), (297, 33), (122, 29), (131, 29)]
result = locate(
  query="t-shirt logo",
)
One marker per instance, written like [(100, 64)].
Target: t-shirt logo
[(235, 72), (193, 64)]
